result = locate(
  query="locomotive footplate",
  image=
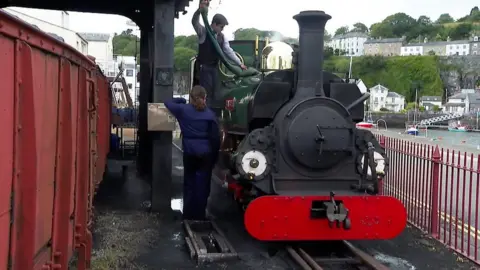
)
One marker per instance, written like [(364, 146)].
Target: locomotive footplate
[(207, 243)]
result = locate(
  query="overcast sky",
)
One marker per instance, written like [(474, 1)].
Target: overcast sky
[(272, 15)]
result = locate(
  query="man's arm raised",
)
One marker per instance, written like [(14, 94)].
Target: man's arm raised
[(199, 29)]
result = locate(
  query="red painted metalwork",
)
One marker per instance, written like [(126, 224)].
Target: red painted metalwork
[(287, 218), (440, 189), (53, 148)]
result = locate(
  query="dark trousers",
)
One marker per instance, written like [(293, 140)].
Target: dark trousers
[(208, 79), (197, 174)]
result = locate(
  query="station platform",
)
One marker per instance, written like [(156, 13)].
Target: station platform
[(127, 236)]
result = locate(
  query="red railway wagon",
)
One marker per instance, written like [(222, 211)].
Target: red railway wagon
[(55, 109)]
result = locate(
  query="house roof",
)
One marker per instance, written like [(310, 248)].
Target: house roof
[(438, 43), (385, 40), (351, 35), (455, 105), (379, 87), (459, 95), (431, 98), (99, 37)]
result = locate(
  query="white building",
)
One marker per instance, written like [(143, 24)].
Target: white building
[(100, 46), (464, 102), (382, 97), (458, 47), (352, 43), (412, 49), (53, 22), (430, 101)]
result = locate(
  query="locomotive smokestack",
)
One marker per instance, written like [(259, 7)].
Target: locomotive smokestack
[(310, 57)]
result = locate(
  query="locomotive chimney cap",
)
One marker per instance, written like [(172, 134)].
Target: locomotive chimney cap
[(312, 14)]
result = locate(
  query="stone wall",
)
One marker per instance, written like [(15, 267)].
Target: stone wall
[(398, 120)]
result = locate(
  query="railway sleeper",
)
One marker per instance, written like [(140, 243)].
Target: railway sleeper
[(346, 255), (207, 243)]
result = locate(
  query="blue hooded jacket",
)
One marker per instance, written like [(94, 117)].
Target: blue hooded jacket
[(200, 130)]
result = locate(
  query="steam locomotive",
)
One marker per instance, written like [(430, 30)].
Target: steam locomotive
[(291, 152)]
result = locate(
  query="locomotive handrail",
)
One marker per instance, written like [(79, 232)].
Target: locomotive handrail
[(237, 71), (361, 99)]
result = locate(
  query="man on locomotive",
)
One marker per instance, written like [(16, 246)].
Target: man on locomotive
[(201, 143), (207, 58)]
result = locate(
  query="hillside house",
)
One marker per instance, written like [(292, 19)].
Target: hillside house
[(352, 43), (384, 47), (466, 101), (430, 101), (382, 97)]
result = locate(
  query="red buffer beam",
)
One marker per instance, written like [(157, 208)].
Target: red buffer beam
[(288, 218)]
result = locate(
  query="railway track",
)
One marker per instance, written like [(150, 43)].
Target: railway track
[(332, 255)]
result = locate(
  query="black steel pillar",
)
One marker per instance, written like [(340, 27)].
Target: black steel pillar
[(164, 16), (145, 145)]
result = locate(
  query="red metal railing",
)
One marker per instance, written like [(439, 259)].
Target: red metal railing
[(440, 189)]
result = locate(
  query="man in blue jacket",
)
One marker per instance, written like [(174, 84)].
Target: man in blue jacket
[(201, 143)]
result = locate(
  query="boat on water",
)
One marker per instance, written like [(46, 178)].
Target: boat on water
[(367, 121), (413, 130), (364, 124), (458, 126)]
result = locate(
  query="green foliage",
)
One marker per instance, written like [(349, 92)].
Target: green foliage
[(182, 57), (126, 44), (401, 74), (415, 30)]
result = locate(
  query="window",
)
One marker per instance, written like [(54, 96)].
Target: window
[(464, 46), (129, 72), (475, 45)]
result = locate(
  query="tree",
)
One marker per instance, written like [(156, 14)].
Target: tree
[(424, 20), (436, 108), (380, 30), (187, 42), (360, 27), (444, 18), (461, 31), (182, 57), (327, 37), (341, 31), (126, 44)]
